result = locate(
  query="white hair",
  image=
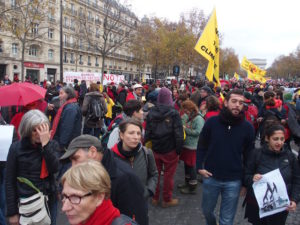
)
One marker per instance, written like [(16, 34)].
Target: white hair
[(30, 120)]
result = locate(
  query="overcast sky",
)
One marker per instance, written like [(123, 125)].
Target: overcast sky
[(262, 29)]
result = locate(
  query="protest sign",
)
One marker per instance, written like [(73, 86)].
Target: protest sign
[(6, 136), (271, 194)]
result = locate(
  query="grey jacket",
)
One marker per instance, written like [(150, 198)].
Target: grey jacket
[(85, 109), (144, 167)]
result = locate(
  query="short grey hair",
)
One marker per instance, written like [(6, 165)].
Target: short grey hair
[(30, 120), (70, 91)]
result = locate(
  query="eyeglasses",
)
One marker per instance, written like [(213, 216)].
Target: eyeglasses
[(74, 199)]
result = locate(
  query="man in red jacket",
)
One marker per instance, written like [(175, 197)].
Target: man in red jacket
[(136, 94)]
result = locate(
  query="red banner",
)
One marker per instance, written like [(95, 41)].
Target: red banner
[(33, 65)]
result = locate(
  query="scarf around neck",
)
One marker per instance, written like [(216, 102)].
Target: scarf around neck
[(128, 154), (103, 215), (58, 115)]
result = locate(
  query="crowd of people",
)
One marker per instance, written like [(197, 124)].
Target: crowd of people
[(104, 150)]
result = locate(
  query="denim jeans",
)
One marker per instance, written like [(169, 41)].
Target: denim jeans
[(92, 131), (230, 192), (2, 196)]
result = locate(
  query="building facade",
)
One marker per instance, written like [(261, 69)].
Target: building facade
[(83, 31)]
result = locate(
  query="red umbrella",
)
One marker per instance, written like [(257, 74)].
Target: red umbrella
[(20, 94)]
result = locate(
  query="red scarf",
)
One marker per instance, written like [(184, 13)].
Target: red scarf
[(58, 115), (104, 214)]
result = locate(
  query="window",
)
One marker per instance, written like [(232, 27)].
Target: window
[(97, 32), (14, 48), (65, 57), (72, 58), (96, 61), (50, 54), (80, 59), (33, 51), (89, 60), (13, 3), (89, 15), (50, 33), (65, 40), (66, 22), (72, 24), (72, 8), (80, 44), (71, 41), (35, 29)]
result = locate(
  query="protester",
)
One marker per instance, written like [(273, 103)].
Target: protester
[(192, 123), (122, 94), (6, 80), (131, 109), (93, 109), (223, 146), (164, 129), (272, 155), (136, 93), (34, 158), (86, 196), (127, 192), (212, 107), (141, 159)]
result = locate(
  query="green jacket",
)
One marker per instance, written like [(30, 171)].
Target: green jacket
[(192, 130)]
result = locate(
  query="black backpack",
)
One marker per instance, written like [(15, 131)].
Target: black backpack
[(95, 109)]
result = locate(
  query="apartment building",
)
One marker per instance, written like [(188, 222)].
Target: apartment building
[(83, 31)]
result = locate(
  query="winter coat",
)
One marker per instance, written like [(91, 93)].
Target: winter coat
[(127, 191), (192, 130), (25, 160), (69, 126), (164, 129), (263, 160), (121, 98), (85, 109), (130, 96), (109, 104), (144, 166)]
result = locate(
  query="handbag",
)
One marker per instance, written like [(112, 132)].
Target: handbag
[(33, 210)]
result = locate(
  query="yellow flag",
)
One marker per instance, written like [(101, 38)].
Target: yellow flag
[(256, 77), (249, 66), (208, 47), (236, 76)]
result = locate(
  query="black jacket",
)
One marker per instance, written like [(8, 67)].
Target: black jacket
[(263, 160), (127, 191), (164, 129), (121, 98), (25, 160)]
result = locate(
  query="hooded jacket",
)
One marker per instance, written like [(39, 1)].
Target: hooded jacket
[(263, 160), (164, 129), (127, 192), (143, 164)]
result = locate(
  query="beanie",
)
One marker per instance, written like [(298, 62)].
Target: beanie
[(165, 97)]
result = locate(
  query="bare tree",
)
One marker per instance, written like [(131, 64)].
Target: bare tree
[(116, 33), (28, 23)]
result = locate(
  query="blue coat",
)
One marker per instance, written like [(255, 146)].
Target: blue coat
[(69, 126)]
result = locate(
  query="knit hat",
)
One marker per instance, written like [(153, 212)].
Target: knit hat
[(165, 97)]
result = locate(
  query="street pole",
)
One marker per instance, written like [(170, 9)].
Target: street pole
[(61, 43)]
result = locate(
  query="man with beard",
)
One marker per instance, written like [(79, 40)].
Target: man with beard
[(223, 145)]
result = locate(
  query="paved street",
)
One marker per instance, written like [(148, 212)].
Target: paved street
[(189, 210)]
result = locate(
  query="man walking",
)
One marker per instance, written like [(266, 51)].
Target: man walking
[(223, 145)]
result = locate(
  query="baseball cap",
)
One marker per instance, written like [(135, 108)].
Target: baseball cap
[(82, 141), (137, 86)]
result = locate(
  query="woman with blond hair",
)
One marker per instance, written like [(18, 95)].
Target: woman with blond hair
[(86, 196), (192, 123)]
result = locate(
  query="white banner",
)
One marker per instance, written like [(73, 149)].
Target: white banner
[(271, 194), (6, 136), (108, 78), (92, 77)]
